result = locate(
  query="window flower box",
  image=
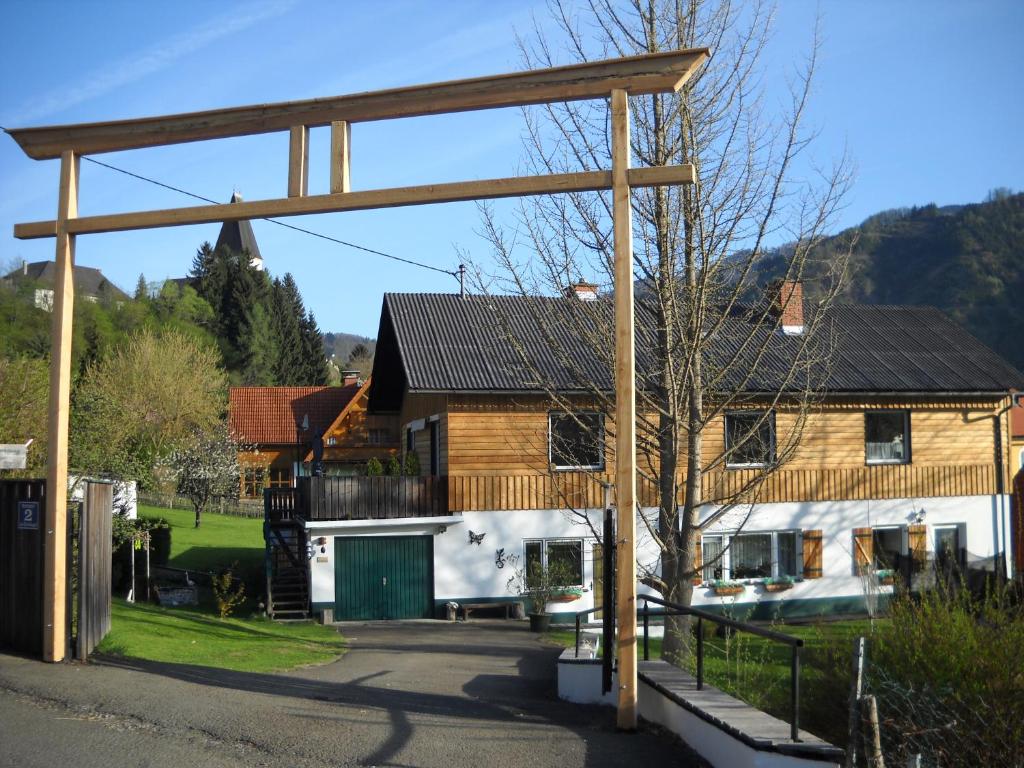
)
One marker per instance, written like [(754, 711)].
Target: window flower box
[(780, 584), (886, 578), (566, 596), (726, 588)]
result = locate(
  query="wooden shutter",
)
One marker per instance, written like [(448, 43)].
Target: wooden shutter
[(812, 554), (863, 550), (917, 543), (698, 561)]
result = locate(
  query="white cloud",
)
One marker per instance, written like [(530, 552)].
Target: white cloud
[(143, 63)]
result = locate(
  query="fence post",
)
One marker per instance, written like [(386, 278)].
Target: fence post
[(577, 635), (856, 686), (794, 728), (700, 653)]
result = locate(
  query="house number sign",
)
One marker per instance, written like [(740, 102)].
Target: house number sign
[(28, 515)]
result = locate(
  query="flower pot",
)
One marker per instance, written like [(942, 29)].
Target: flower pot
[(781, 587), (540, 622), (724, 591), (886, 581)]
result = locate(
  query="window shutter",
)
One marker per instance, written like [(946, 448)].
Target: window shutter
[(812, 554), (917, 543), (863, 550), (698, 561)]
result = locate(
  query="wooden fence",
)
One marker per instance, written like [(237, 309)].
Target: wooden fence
[(93, 551), (21, 565)]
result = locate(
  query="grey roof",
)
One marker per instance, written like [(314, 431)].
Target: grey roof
[(88, 281), (444, 342), (238, 235)]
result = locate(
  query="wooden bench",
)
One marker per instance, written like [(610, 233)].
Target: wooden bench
[(513, 610)]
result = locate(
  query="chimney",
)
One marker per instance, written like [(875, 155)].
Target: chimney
[(788, 302), (349, 378), (582, 290)]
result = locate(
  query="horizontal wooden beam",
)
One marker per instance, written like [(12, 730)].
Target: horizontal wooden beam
[(649, 73), (486, 189)]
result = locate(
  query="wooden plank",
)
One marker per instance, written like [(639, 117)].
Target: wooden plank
[(644, 74), (341, 157), (55, 559), (625, 415), (298, 161), (486, 189)]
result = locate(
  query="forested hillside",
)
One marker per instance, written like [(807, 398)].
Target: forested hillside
[(966, 260)]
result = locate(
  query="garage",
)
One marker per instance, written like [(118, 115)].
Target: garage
[(383, 577)]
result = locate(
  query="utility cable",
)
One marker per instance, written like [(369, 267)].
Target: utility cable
[(456, 274)]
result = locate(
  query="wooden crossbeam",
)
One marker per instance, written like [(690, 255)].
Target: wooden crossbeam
[(649, 73), (355, 201)]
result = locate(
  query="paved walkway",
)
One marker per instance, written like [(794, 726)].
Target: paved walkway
[(407, 694)]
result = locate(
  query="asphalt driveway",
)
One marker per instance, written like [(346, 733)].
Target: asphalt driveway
[(406, 694)]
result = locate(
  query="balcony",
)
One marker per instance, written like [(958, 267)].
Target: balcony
[(358, 498)]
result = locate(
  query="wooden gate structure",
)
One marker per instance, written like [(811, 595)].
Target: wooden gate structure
[(614, 79), (86, 618)]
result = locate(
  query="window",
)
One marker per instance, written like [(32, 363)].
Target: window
[(557, 552), (751, 556), (435, 449), (749, 439), (948, 555), (281, 478), (887, 437), (253, 481), (576, 440), (378, 436), (757, 555), (410, 441), (888, 548), (711, 553), (331, 441)]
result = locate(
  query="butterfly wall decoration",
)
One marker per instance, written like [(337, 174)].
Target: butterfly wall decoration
[(476, 538)]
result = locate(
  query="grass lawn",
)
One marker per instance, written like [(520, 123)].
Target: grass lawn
[(757, 670), (184, 636)]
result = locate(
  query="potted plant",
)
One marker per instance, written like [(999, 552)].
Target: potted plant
[(539, 585), (722, 587), (778, 583), (566, 594), (886, 577)]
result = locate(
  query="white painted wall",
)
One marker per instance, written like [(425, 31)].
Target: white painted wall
[(985, 518), (464, 571)]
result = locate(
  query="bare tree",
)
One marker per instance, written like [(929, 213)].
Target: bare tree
[(205, 467), (709, 340)]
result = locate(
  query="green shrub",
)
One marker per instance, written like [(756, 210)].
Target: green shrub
[(393, 468), (374, 468), (227, 591), (411, 464)]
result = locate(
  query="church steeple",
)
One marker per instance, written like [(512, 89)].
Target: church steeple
[(239, 237)]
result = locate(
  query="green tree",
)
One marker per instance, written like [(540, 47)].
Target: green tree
[(143, 399), (25, 385)]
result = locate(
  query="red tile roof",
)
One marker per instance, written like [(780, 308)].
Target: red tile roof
[(275, 415)]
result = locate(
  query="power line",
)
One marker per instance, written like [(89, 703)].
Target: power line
[(455, 274)]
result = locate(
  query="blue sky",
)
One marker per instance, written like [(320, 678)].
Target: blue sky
[(925, 97)]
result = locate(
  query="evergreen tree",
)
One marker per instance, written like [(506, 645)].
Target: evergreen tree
[(317, 371), (286, 303), (141, 290)]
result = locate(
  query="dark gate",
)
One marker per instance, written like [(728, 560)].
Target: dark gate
[(22, 508), (383, 577), (92, 588)]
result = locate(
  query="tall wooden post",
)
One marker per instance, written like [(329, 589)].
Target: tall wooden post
[(625, 414), (55, 552)]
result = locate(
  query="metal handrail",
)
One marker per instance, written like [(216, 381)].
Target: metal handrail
[(675, 609)]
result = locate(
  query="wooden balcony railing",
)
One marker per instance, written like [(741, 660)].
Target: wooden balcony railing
[(373, 498)]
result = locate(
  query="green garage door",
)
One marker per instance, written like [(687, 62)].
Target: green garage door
[(383, 577)]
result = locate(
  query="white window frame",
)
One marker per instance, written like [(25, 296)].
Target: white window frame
[(725, 562), (906, 437), (729, 463), (544, 554), (600, 442)]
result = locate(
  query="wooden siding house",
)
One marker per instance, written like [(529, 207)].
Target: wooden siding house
[(278, 427), (906, 458)]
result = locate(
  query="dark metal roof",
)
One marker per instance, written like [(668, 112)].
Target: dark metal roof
[(444, 342), (238, 235), (88, 281)]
